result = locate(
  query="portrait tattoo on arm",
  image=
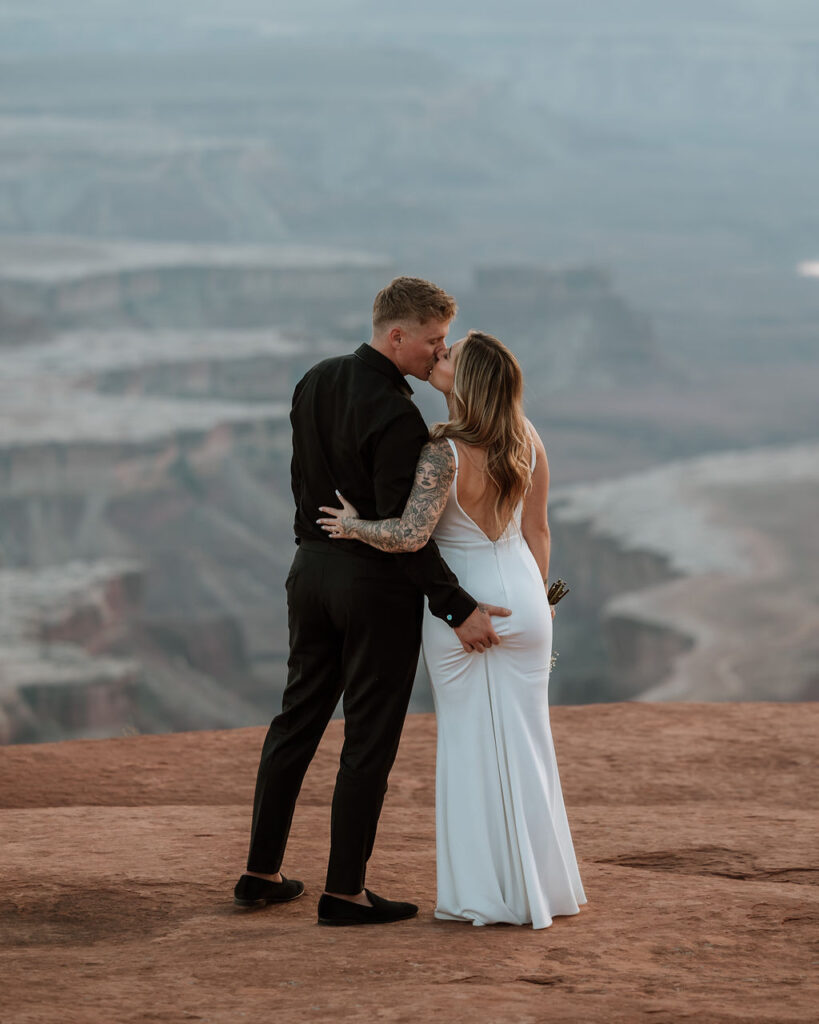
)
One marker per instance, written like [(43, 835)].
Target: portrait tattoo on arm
[(433, 476)]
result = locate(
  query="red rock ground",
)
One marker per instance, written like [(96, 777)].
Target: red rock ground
[(695, 827)]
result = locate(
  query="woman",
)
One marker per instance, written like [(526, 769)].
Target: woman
[(504, 849)]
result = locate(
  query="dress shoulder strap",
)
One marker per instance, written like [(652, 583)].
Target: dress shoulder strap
[(534, 458), (454, 448)]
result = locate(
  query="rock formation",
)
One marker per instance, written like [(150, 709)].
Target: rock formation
[(61, 283), (569, 328), (694, 827), (734, 535)]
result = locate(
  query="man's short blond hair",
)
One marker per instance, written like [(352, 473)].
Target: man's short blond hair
[(412, 298)]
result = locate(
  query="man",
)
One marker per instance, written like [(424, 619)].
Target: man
[(354, 613)]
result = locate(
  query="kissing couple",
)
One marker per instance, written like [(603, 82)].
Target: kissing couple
[(386, 513)]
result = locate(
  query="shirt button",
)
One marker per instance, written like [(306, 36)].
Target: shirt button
[(449, 618)]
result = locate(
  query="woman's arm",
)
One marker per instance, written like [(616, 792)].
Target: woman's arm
[(433, 476), (534, 522)]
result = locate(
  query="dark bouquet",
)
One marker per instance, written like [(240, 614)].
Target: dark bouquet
[(557, 592)]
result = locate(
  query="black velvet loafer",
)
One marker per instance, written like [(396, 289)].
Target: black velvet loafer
[(332, 910), (251, 891)]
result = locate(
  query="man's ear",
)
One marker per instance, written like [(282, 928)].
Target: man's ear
[(395, 336)]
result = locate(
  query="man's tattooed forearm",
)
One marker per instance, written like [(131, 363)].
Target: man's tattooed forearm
[(433, 476)]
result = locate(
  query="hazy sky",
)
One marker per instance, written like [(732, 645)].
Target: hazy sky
[(29, 25), (673, 143)]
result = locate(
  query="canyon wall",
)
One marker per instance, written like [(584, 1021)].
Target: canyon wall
[(165, 449), (57, 283), (737, 615)]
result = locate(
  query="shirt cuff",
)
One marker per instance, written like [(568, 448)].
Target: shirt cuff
[(455, 608)]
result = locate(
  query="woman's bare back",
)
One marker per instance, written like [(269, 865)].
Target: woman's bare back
[(475, 491)]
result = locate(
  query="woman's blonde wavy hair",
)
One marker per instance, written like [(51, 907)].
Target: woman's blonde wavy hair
[(487, 411)]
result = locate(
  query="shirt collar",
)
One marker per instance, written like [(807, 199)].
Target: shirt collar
[(372, 357)]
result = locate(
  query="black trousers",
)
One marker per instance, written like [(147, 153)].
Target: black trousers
[(355, 629)]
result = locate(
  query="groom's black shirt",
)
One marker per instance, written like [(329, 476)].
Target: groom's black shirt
[(357, 430)]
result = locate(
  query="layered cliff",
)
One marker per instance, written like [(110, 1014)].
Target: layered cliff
[(144, 449), (733, 534), (65, 282)]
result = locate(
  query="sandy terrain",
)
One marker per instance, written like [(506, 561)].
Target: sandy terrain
[(695, 827)]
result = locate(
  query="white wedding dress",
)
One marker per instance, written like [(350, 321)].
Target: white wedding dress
[(504, 849)]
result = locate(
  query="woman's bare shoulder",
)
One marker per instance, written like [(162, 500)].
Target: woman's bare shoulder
[(537, 441)]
